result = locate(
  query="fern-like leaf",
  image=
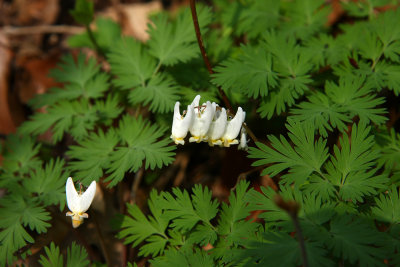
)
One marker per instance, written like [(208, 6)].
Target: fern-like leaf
[(306, 157), (140, 146), (173, 42)]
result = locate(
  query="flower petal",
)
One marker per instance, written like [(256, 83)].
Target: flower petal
[(234, 125), (72, 195), (243, 140), (201, 122), (218, 125), (87, 197), (180, 126)]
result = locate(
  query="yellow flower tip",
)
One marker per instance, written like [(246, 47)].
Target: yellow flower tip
[(198, 139), (76, 223), (194, 139), (178, 140), (216, 142), (228, 143), (77, 218)]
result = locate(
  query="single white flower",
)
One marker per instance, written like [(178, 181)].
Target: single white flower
[(203, 116), (243, 140), (181, 124), (217, 127), (78, 203), (233, 128)]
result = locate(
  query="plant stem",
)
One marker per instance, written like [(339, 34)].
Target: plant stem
[(203, 51), (93, 40), (292, 208), (209, 67), (101, 239)]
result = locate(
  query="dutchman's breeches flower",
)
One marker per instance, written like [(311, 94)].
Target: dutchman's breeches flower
[(217, 127), (208, 122), (233, 128), (203, 116), (78, 203), (181, 124)]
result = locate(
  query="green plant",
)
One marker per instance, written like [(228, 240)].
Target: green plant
[(331, 96)]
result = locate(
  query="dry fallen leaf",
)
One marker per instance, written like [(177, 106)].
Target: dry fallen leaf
[(135, 17)]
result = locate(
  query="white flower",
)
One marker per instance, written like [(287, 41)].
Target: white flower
[(233, 127), (181, 124), (203, 116), (78, 203), (243, 140), (217, 127)]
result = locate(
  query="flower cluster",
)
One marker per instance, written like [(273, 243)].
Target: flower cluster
[(80, 202), (208, 123)]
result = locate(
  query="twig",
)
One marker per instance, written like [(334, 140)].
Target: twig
[(292, 208), (41, 29)]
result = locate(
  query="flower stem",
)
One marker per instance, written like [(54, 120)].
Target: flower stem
[(203, 51), (93, 40), (292, 208)]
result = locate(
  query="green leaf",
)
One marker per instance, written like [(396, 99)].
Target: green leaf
[(83, 11), (263, 253), (13, 236), (76, 117), (264, 201), (326, 50), (106, 33), (388, 206), (389, 146), (81, 80), (355, 240), (256, 18), (231, 224), (48, 183), (161, 92), (185, 214), (389, 36), (173, 42), (53, 257), (196, 258), (250, 73), (20, 155), (340, 103), (140, 146), (77, 256), (322, 114), (79, 72), (304, 18), (137, 228), (92, 155), (130, 63), (306, 157), (352, 167), (18, 213)]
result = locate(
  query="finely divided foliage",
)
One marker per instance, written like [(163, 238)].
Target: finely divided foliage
[(337, 154)]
